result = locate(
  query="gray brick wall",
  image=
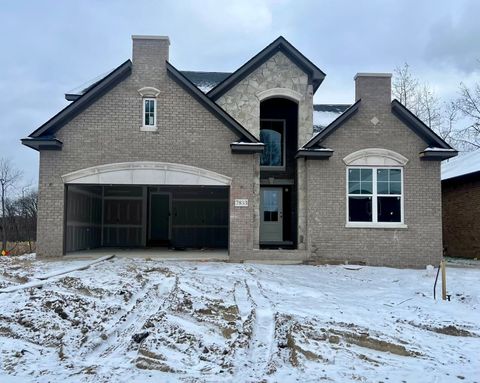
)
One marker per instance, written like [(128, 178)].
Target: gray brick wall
[(109, 131), (416, 246)]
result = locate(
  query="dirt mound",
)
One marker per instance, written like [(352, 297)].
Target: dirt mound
[(446, 330)]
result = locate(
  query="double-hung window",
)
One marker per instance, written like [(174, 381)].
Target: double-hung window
[(149, 109), (374, 196), (149, 112)]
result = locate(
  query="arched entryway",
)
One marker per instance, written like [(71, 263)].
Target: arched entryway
[(278, 171), (144, 204)]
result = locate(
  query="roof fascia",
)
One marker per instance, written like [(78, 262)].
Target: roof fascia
[(280, 44), (72, 97), (334, 125), (468, 177), (43, 143), (314, 154), (246, 148), (418, 126), (437, 155), (81, 103)]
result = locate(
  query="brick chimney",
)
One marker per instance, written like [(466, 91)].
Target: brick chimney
[(374, 89), (149, 56)]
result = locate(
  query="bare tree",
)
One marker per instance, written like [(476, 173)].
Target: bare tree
[(445, 118), (428, 107), (405, 86), (468, 104), (9, 177), (448, 129), (27, 206), (420, 98)]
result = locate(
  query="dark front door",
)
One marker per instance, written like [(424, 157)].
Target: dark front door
[(159, 218)]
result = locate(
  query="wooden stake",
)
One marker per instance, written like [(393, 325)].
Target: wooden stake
[(444, 280)]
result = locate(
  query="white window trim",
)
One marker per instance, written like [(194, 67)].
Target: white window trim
[(374, 224), (375, 157), (149, 91), (280, 92), (284, 148), (149, 128)]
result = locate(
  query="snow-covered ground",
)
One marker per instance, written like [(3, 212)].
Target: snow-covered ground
[(219, 322)]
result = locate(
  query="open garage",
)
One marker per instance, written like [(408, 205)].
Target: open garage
[(191, 214), (144, 216)]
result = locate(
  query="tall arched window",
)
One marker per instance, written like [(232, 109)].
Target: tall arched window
[(272, 134)]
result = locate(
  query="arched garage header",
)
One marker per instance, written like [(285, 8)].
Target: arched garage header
[(146, 173)]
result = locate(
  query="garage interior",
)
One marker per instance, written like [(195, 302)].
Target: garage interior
[(126, 216)]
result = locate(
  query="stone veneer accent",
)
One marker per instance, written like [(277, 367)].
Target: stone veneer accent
[(242, 101), (278, 76)]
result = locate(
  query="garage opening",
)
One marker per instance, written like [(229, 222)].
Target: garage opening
[(134, 216)]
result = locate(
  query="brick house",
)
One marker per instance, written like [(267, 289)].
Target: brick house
[(150, 156), (461, 206)]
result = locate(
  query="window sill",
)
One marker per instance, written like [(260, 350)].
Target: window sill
[(272, 168), (149, 128), (366, 225)]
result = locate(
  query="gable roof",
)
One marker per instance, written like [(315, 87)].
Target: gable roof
[(319, 137), (205, 81), (418, 126), (325, 114), (44, 136), (280, 44), (210, 105), (463, 165), (437, 148), (94, 92), (331, 108), (80, 90)]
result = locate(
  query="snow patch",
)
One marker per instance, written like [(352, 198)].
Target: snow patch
[(324, 119), (461, 165), (145, 320)]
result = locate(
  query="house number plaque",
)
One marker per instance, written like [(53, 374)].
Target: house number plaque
[(241, 202)]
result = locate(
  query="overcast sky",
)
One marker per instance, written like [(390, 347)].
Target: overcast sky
[(50, 47)]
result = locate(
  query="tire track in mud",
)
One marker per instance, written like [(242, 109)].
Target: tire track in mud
[(260, 348), (243, 300), (119, 338)]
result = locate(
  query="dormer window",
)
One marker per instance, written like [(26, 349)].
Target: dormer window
[(149, 110)]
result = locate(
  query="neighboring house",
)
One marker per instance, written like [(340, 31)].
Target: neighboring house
[(461, 206), (143, 157)]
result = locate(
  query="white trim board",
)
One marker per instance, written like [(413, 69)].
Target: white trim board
[(146, 173)]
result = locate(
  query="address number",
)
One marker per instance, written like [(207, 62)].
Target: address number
[(241, 202)]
